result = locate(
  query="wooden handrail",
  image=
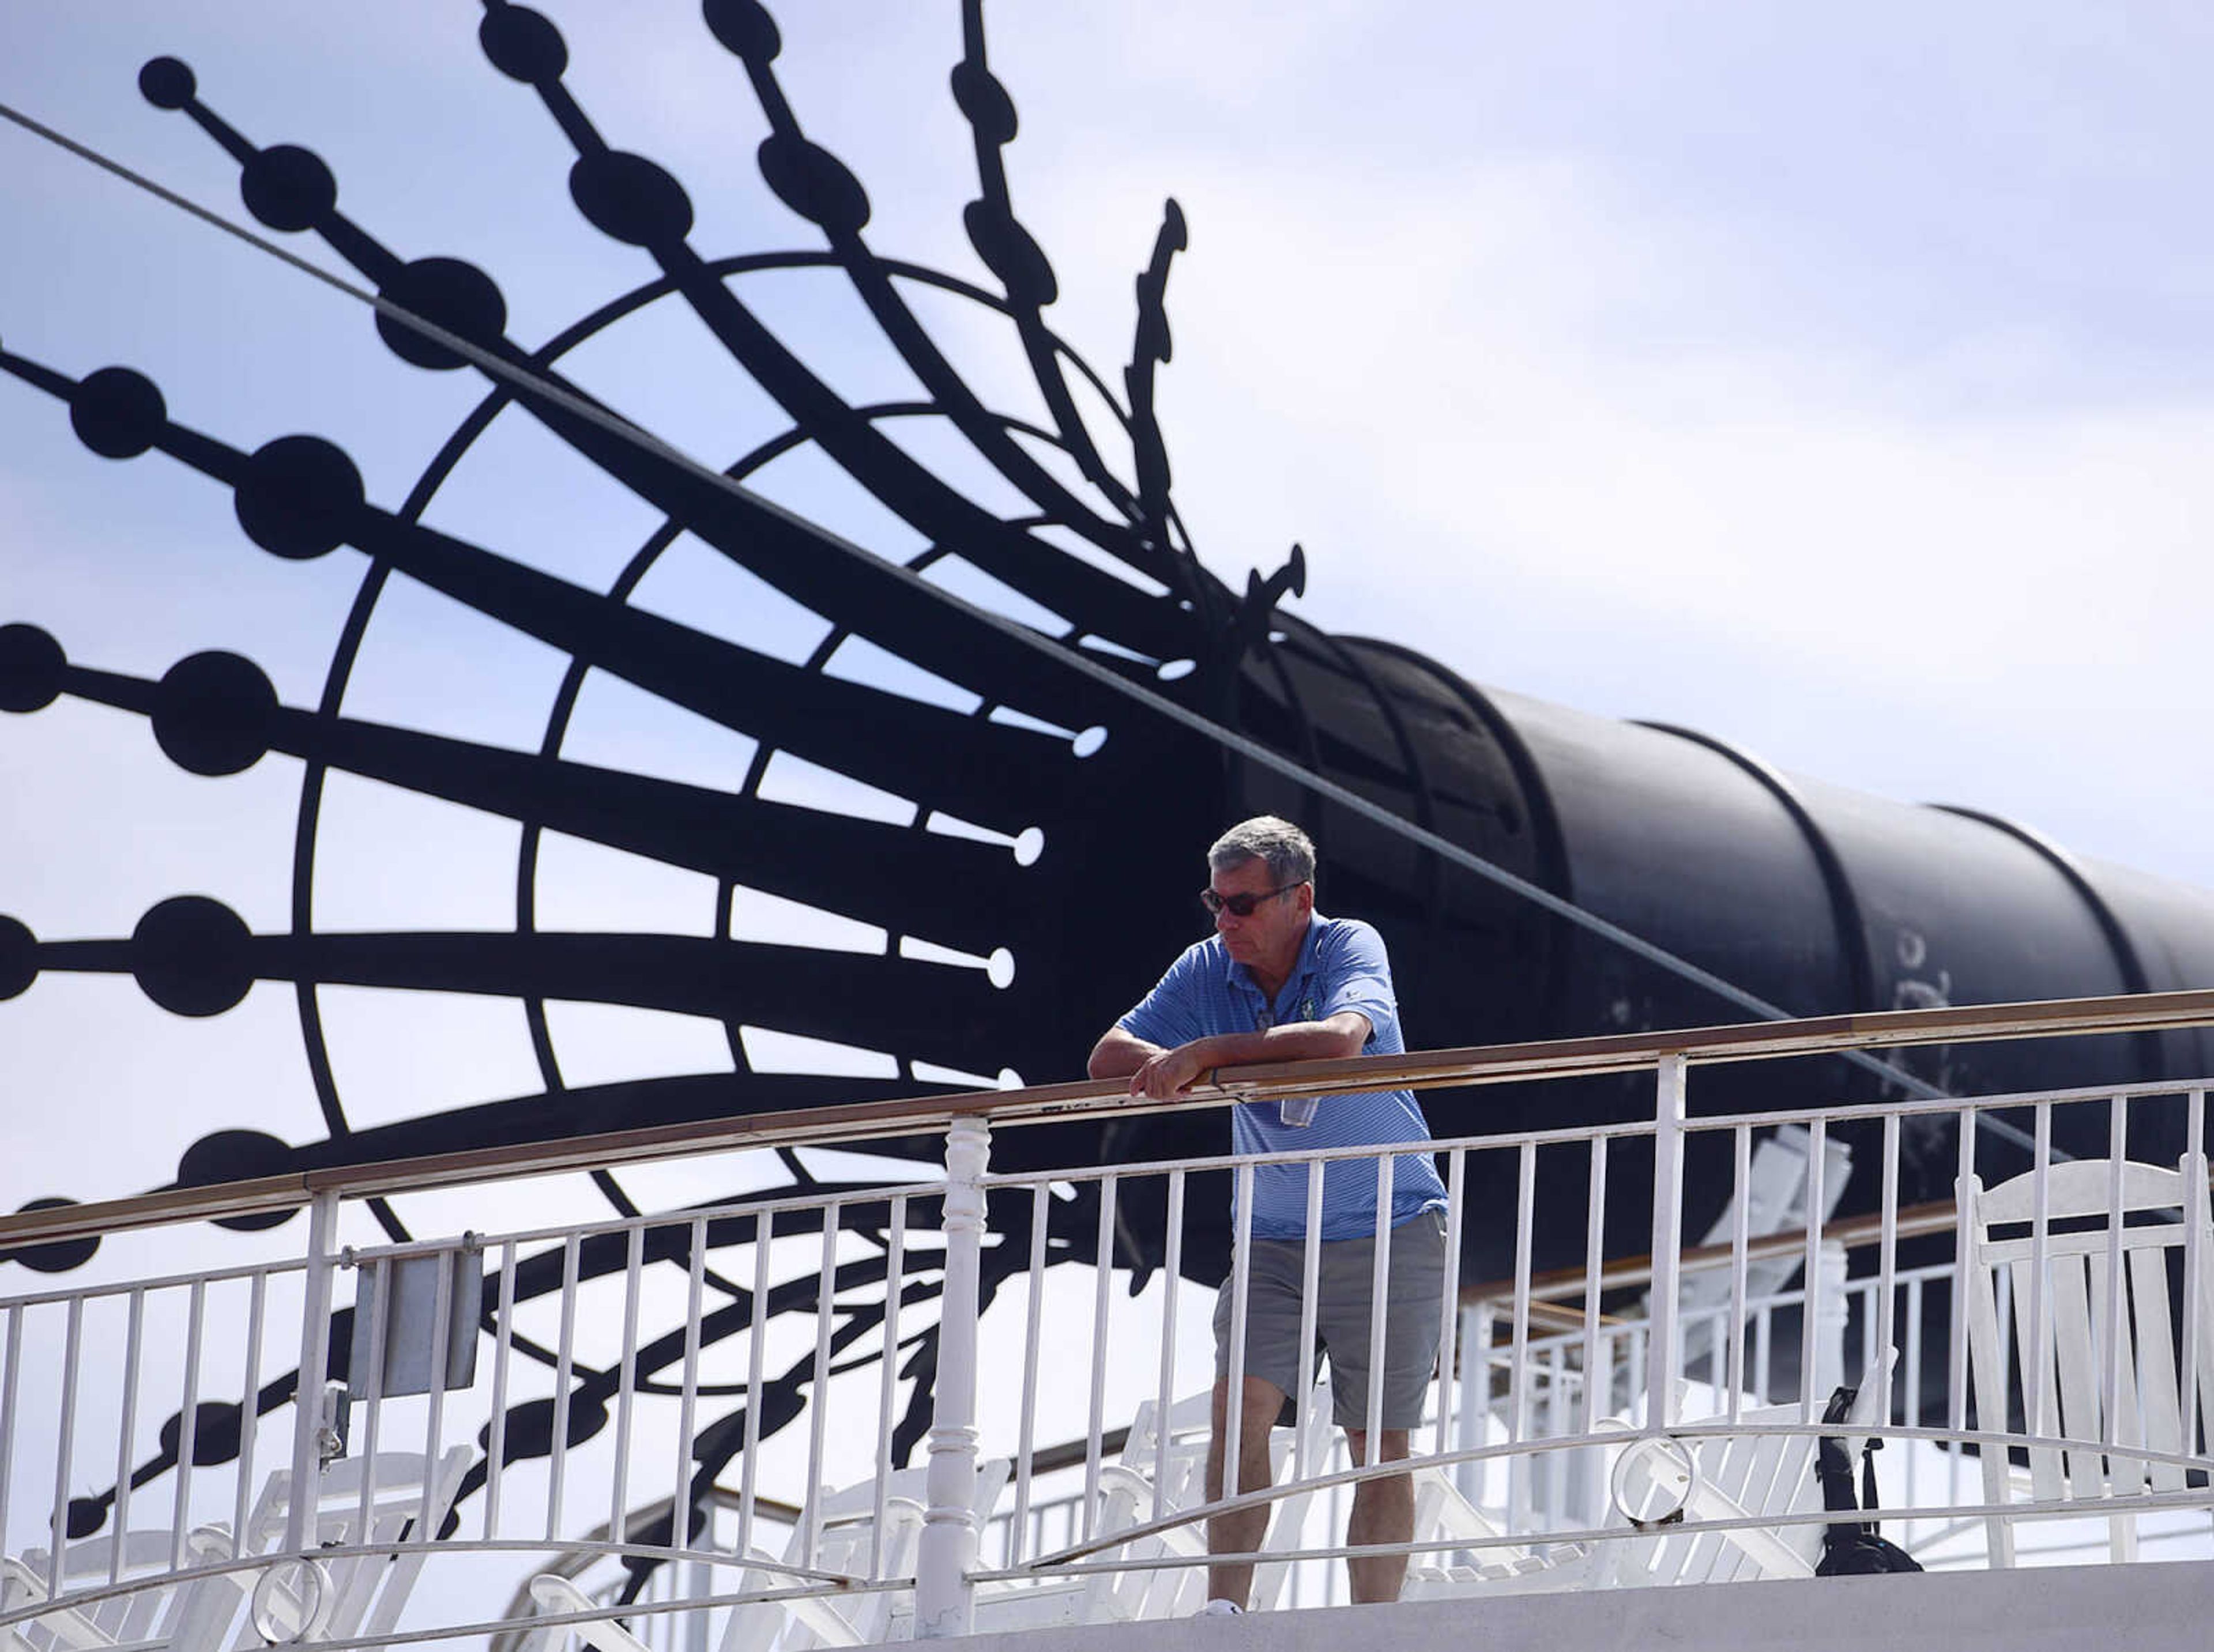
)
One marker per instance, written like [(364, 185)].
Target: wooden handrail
[(875, 1120)]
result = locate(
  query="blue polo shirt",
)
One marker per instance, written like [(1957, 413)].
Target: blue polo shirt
[(1342, 965)]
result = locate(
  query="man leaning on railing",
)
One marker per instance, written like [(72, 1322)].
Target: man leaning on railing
[(1278, 981)]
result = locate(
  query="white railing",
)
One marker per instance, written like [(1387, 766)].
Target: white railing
[(511, 1400)]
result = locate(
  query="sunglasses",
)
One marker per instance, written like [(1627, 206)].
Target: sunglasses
[(1243, 905)]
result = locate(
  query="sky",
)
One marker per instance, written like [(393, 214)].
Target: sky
[(1834, 381)]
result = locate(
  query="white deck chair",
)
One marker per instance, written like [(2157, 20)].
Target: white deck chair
[(1163, 1472), (1175, 1590), (1777, 1182), (1730, 1477), (1441, 1512), (365, 1594), (1165, 1453), (175, 1609), (2149, 1408), (846, 1537), (552, 1593), (1125, 1498), (1186, 1419), (754, 1627)]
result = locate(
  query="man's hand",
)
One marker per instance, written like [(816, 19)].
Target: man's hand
[(1161, 1075), (1171, 1072)]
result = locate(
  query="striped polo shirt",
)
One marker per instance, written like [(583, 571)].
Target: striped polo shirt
[(1342, 965)]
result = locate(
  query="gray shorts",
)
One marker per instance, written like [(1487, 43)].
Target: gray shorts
[(1346, 1270)]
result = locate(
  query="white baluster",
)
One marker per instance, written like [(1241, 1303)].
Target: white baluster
[(1668, 1236), (944, 1597)]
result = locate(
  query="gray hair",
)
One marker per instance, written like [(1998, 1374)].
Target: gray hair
[(1289, 853)]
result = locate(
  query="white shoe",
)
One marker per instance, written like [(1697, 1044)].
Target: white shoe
[(1220, 1609)]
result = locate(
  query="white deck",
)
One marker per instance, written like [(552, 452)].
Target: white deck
[(2145, 1608)]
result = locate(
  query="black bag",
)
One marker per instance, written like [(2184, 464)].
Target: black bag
[(1850, 1547)]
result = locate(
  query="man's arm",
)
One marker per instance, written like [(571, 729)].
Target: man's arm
[(1120, 1053), (1167, 1073)]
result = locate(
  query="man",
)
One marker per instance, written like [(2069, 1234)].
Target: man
[(1278, 981)]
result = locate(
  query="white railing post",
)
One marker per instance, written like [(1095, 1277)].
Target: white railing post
[(1667, 1229), (314, 1368), (1826, 1302), (944, 1596)]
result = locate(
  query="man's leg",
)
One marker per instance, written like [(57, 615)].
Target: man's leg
[(1382, 1509), (1383, 1512), (1241, 1533)]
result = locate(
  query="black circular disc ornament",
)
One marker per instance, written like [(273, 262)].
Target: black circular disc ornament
[(31, 667), (193, 956), (980, 96), (457, 297), (815, 184), (288, 187), (166, 83), (1010, 253), (629, 198), (523, 44), (299, 496), (214, 714), (116, 413), (238, 1155), (745, 29), (63, 1254), (19, 958)]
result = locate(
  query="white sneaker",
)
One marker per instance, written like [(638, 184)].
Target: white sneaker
[(1220, 1609)]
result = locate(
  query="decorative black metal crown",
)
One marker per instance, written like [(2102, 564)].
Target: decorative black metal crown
[(1009, 803)]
